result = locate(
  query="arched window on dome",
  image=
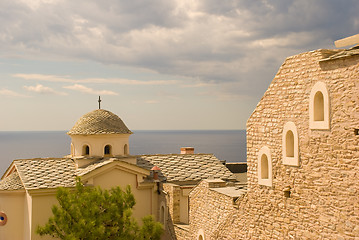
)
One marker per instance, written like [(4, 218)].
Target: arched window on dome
[(85, 150), (290, 145), (319, 107), (125, 149), (107, 150), (264, 167)]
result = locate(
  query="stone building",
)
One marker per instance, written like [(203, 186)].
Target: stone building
[(100, 156), (302, 166), (302, 157)]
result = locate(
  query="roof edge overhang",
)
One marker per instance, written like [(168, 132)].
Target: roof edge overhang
[(324, 53), (43, 191), (9, 170), (12, 192), (98, 134), (116, 164)]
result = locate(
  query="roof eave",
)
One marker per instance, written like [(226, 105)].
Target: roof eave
[(9, 170)]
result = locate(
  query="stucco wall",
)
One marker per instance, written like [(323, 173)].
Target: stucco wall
[(323, 202), (146, 199), (97, 144), (42, 203), (12, 204)]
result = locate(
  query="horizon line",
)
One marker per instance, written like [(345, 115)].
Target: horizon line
[(130, 130)]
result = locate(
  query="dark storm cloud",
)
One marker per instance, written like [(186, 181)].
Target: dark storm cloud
[(243, 42)]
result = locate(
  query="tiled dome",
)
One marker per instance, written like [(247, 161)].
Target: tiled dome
[(99, 122)]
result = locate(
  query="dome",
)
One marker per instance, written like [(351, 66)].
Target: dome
[(99, 121)]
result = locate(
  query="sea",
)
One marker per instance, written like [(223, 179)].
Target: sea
[(229, 145)]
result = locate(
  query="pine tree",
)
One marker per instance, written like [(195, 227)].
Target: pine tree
[(89, 213)]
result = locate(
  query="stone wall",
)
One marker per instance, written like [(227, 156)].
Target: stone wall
[(173, 200), (324, 188), (208, 210)]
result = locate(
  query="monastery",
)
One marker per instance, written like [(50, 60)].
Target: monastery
[(302, 158)]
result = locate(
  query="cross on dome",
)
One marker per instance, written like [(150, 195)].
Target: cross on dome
[(99, 102)]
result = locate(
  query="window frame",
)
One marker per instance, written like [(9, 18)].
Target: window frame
[(325, 124), (84, 153), (265, 181), (200, 235), (290, 160), (110, 150), (163, 218), (125, 149)]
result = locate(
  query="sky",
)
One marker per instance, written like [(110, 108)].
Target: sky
[(159, 65)]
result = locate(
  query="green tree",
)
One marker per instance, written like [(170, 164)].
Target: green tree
[(92, 213)]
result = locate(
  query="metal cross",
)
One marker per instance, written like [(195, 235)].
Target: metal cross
[(99, 102)]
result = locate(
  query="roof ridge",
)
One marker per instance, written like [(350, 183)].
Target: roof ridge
[(12, 182), (180, 154), (40, 158), (18, 173)]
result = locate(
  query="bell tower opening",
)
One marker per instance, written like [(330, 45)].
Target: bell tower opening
[(107, 150), (85, 150)]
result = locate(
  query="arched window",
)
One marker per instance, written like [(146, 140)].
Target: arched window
[(200, 235), (162, 215), (125, 149), (85, 150), (290, 146), (319, 107), (72, 150), (264, 167), (107, 150)]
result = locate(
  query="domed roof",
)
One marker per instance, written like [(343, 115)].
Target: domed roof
[(99, 122)]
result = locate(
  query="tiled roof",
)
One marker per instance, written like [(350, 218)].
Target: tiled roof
[(234, 191), (99, 121), (11, 182), (46, 172), (93, 166), (43, 173), (186, 167), (97, 164)]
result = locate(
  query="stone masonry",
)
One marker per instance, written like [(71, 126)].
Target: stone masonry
[(323, 191)]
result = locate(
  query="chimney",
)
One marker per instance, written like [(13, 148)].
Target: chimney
[(155, 170), (187, 150)]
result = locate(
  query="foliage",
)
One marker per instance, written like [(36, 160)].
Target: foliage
[(92, 213)]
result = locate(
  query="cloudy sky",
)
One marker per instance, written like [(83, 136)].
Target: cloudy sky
[(159, 64)]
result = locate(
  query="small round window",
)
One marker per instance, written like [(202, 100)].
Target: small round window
[(3, 218)]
